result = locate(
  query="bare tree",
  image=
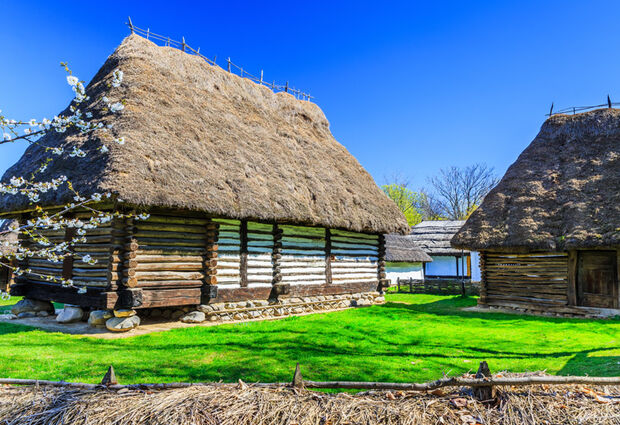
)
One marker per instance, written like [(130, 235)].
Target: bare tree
[(458, 191)]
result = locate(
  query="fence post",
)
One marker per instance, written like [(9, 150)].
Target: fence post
[(298, 380), (485, 393), (110, 377)]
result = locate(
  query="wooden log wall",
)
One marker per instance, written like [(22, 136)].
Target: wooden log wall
[(525, 279), (98, 245), (228, 253), (355, 257), (260, 242), (303, 255), (166, 251)]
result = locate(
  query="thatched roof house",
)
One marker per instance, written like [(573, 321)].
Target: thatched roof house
[(8, 246), (550, 230), (403, 248), (228, 169), (433, 237), (404, 258)]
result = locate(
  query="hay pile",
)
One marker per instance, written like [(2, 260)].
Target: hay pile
[(243, 404)]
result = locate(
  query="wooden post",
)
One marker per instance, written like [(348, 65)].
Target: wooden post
[(482, 300), (109, 378), (608, 101), (398, 283), (228, 60), (551, 110), (147, 33), (183, 43), (571, 292), (261, 76), (131, 246), (381, 262), (130, 24), (210, 259), (243, 261), (298, 380), (286, 87), (276, 255), (485, 393), (328, 256), (67, 261)]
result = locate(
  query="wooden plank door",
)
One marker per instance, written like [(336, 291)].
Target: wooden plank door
[(597, 279)]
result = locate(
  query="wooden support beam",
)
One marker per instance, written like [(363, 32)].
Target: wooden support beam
[(243, 267), (381, 263), (328, 256), (276, 256), (571, 291), (67, 262)]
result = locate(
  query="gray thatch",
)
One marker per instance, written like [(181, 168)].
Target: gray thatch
[(433, 236), (8, 236), (400, 248), (562, 192), (202, 139)]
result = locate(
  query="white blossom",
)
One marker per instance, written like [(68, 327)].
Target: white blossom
[(118, 106), (72, 80), (120, 140)]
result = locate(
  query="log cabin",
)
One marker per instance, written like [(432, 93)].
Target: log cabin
[(549, 232), (404, 259), (249, 195), (449, 263)]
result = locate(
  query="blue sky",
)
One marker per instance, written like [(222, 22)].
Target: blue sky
[(409, 87)]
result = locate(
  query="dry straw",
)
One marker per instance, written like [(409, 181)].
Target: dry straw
[(240, 404)]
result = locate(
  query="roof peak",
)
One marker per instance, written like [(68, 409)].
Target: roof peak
[(164, 41)]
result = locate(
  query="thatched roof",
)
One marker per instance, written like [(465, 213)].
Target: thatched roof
[(8, 236), (562, 192), (200, 138), (399, 248), (433, 236)]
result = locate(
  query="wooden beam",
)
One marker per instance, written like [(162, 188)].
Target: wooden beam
[(243, 264), (571, 290), (276, 256), (328, 256), (67, 262)]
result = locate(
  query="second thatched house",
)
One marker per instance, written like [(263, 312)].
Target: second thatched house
[(433, 237), (251, 199), (403, 258), (549, 232)]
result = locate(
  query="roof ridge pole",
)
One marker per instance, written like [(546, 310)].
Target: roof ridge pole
[(130, 24)]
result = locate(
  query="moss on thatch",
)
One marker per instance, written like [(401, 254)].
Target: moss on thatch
[(199, 138), (563, 191)]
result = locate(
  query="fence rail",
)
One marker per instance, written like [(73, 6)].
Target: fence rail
[(575, 109), (437, 286), (230, 66), (482, 383)]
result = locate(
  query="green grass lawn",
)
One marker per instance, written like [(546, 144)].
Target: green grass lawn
[(411, 338)]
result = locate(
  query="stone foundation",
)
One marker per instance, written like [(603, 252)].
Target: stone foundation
[(264, 309), (567, 312), (126, 319)]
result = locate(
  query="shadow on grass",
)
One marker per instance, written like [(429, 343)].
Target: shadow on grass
[(454, 306)]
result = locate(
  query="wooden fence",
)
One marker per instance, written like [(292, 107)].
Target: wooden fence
[(437, 286), (482, 384), (230, 66)]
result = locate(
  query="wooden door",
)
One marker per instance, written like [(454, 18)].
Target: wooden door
[(597, 279)]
